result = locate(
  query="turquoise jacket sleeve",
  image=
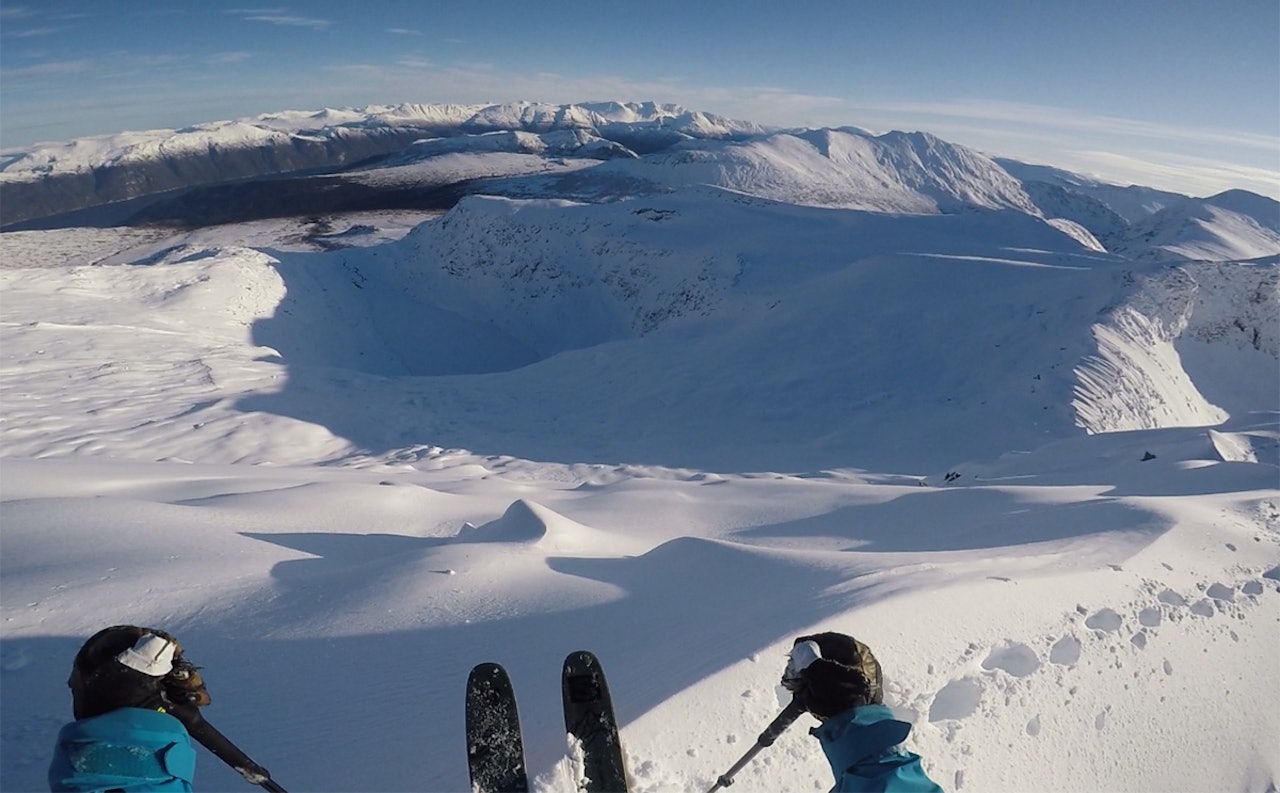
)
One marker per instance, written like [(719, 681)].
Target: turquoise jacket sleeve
[(130, 749), (862, 746)]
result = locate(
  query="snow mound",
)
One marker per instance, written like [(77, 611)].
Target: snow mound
[(530, 523)]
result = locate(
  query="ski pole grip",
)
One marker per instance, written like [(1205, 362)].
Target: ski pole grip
[(224, 749), (776, 727), (780, 724)]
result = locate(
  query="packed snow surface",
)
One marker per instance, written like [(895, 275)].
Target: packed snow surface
[(345, 466)]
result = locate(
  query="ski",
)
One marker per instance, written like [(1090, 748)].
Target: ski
[(495, 749), (589, 719)]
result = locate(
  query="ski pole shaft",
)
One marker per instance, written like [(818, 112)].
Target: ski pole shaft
[(224, 749), (776, 727)]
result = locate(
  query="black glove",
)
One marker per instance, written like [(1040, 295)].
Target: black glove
[(131, 667), (829, 673)]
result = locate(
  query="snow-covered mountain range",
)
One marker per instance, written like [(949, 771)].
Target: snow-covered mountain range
[(56, 178), (665, 386), (428, 156)]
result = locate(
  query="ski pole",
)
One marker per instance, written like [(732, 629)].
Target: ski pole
[(776, 727), (224, 749)]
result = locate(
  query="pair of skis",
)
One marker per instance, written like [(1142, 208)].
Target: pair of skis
[(495, 746)]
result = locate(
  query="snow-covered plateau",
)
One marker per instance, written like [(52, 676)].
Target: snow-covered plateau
[(677, 406)]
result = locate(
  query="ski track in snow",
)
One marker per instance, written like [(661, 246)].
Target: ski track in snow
[(1088, 612)]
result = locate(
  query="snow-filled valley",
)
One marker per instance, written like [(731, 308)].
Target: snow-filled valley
[(344, 459)]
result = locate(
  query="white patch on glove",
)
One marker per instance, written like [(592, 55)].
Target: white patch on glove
[(151, 655), (799, 659)]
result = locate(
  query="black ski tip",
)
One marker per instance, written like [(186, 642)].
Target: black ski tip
[(589, 718), (486, 671), (495, 748), (581, 660)]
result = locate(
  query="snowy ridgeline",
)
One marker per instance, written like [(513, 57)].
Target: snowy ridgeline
[(428, 156), (126, 147)]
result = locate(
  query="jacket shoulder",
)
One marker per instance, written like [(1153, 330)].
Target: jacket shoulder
[(130, 749)]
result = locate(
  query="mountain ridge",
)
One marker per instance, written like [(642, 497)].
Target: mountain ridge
[(427, 157)]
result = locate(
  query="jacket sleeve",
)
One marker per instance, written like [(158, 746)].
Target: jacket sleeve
[(130, 749), (862, 746)]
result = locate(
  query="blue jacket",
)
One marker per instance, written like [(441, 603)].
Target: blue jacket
[(129, 749), (862, 746)]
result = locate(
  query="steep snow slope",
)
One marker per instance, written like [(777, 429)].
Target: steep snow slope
[(1060, 202), (1164, 349)]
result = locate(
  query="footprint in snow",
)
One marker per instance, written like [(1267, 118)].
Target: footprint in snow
[(1105, 620), (1221, 592), (958, 699), (1203, 608), (1065, 651), (1033, 726), (1015, 658)]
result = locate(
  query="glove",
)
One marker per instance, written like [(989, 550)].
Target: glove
[(829, 673), (131, 667)]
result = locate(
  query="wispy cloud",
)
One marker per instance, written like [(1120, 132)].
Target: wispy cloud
[(50, 69), (16, 12), (291, 21), (404, 32), (1194, 175), (1074, 120), (228, 58), (33, 32)]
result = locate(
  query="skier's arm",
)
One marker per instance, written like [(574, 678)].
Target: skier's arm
[(862, 746), (122, 682), (838, 679)]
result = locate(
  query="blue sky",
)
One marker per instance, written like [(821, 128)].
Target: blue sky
[(1176, 94)]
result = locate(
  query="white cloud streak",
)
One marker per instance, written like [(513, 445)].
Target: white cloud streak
[(33, 32), (49, 69), (228, 58), (291, 21)]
